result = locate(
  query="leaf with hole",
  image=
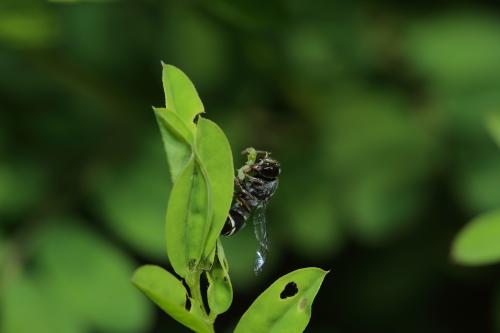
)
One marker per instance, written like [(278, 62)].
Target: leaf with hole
[(478, 242), (166, 291), (284, 307), (181, 96)]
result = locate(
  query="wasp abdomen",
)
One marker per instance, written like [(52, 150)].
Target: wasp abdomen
[(238, 215)]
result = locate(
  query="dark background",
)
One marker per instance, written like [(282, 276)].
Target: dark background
[(375, 110)]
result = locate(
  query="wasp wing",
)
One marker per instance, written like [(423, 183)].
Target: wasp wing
[(260, 229)]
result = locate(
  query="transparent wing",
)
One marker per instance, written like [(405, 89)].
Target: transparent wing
[(260, 229)]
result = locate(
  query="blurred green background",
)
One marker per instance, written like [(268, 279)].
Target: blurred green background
[(376, 111)]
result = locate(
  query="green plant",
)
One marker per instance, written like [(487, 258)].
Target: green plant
[(478, 242), (201, 167)]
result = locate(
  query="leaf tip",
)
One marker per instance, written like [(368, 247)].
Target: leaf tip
[(323, 271), (171, 68), (136, 276)]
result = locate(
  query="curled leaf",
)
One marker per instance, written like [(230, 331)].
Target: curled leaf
[(214, 153), (177, 140), (188, 219), (220, 290), (170, 295)]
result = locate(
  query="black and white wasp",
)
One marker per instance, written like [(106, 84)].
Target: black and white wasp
[(254, 186)]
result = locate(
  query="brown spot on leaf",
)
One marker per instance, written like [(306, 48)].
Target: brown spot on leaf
[(303, 303)]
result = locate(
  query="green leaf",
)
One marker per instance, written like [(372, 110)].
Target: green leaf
[(188, 217), (3, 255), (478, 182), (493, 126), (177, 140), (378, 174), (322, 235), (214, 153), (284, 307), (192, 222), (25, 308), (452, 63), (90, 278), (29, 28), (181, 96), (220, 290), (171, 296), (477, 243), (15, 175), (132, 199)]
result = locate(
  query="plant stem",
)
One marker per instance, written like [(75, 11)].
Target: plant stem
[(194, 283)]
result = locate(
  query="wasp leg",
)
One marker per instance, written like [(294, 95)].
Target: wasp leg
[(245, 191), (263, 152), (241, 172), (251, 196), (260, 181)]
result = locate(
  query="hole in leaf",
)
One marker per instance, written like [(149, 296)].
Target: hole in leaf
[(187, 305), (289, 291), (186, 287), (204, 288)]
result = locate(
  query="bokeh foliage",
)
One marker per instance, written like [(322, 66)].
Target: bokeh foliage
[(379, 113)]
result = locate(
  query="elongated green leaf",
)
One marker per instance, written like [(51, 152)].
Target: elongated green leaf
[(177, 140), (493, 125), (478, 242), (284, 307), (171, 296), (3, 255), (188, 218), (24, 307), (89, 277), (220, 290), (181, 96), (214, 153), (134, 192)]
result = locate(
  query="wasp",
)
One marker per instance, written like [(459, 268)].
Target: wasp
[(254, 185)]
